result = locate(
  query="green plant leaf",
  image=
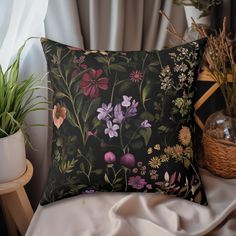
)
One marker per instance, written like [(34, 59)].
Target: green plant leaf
[(146, 92), (147, 116), (106, 179), (146, 133), (137, 144), (82, 167), (96, 123), (117, 67), (124, 85), (97, 171), (101, 60), (163, 129), (89, 108)]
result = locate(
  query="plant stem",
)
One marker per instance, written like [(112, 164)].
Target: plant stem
[(113, 88), (73, 106)]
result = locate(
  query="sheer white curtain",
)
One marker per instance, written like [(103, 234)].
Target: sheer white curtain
[(20, 20), (92, 24)]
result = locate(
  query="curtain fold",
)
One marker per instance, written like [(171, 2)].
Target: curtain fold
[(124, 25)]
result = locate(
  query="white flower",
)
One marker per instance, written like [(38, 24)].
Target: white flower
[(111, 129), (126, 101)]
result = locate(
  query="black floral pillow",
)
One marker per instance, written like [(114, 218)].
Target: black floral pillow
[(123, 121)]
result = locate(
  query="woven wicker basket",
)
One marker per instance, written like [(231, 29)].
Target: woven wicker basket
[(220, 156)]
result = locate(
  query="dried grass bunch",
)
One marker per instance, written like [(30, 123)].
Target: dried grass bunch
[(220, 60)]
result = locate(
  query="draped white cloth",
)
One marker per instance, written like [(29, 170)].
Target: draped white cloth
[(138, 214)]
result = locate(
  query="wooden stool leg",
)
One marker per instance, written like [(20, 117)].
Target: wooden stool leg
[(19, 207), (10, 224)]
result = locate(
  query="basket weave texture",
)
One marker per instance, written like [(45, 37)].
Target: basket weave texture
[(220, 156)]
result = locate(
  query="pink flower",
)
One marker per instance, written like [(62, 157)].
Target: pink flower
[(91, 83), (149, 186), (90, 133), (109, 157), (79, 60), (84, 66), (137, 182), (135, 170), (128, 160), (58, 115), (74, 73), (136, 76)]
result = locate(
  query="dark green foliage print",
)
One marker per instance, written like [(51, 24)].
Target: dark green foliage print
[(123, 121)]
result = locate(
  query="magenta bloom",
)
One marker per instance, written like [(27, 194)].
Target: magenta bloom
[(109, 157), (137, 182), (128, 160), (91, 83), (136, 76)]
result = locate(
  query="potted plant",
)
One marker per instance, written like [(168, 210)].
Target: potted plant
[(199, 10), (17, 100), (219, 136)]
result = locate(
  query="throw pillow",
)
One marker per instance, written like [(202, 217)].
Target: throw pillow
[(123, 121)]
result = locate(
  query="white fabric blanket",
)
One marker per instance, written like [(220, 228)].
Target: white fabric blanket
[(140, 214)]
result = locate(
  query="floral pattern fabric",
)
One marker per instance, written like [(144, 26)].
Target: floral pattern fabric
[(123, 121)]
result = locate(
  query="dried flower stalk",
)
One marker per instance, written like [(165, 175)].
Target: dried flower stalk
[(220, 61)]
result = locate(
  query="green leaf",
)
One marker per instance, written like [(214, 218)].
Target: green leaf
[(153, 66), (147, 116), (146, 134), (146, 91), (163, 129), (97, 171), (89, 108), (124, 85), (96, 123), (117, 187), (117, 67), (101, 60), (82, 167), (106, 179), (60, 95), (137, 144), (118, 180)]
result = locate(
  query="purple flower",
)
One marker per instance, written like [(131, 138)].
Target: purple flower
[(128, 160), (126, 101), (104, 111), (88, 191), (132, 110), (118, 114), (149, 186), (111, 129), (109, 157), (145, 124), (137, 182)]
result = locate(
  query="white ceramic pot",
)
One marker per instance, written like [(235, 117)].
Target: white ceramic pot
[(12, 157), (192, 12)]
